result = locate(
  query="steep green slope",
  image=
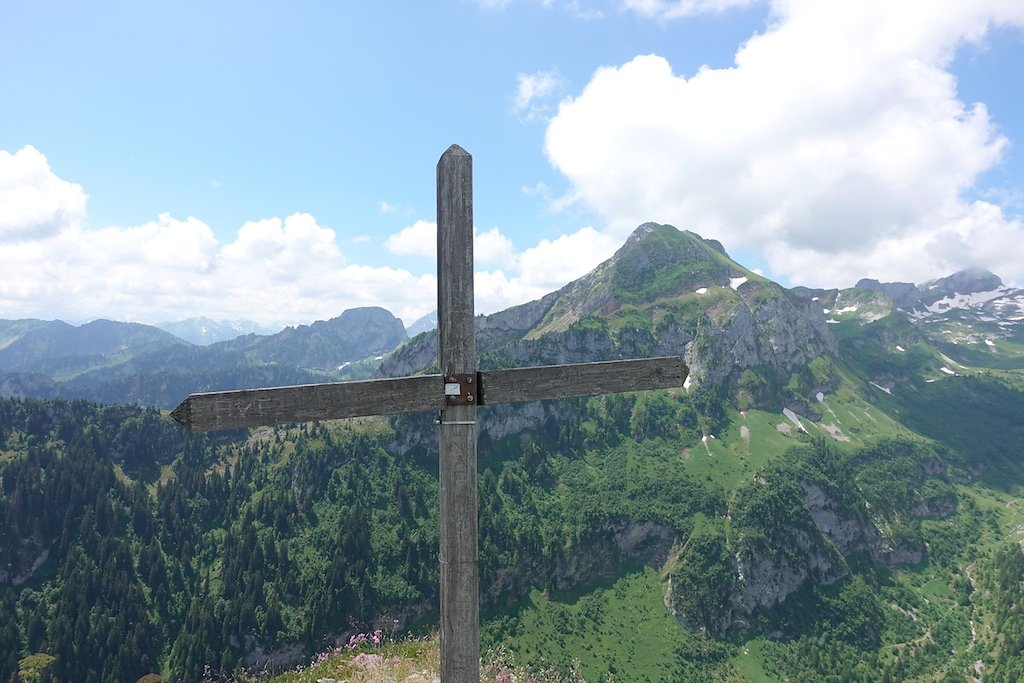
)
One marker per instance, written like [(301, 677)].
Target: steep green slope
[(290, 536)]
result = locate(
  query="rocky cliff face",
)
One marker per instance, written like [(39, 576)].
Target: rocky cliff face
[(767, 328), (811, 550), (851, 531), (765, 579), (903, 294), (600, 555), (25, 558)]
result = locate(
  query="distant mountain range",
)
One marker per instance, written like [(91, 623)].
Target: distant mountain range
[(57, 349), (971, 315), (664, 292), (205, 331), (975, 293), (424, 324), (131, 363)]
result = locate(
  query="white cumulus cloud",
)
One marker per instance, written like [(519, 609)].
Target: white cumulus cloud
[(673, 9), (493, 248), (272, 271), (418, 239), (552, 263), (505, 276), (34, 202), (276, 270), (838, 135), (543, 268), (275, 249), (533, 93)]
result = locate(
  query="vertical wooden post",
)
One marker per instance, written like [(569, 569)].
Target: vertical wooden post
[(460, 616)]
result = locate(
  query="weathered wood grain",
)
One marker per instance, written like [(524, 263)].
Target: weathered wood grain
[(583, 379), (460, 612), (219, 410), (305, 403)]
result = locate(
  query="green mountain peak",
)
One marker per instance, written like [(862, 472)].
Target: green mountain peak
[(657, 265), (660, 260)]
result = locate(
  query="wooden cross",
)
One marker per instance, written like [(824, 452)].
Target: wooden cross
[(455, 394)]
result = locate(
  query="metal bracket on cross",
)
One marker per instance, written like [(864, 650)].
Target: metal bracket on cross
[(461, 389)]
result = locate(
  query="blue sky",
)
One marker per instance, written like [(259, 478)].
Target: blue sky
[(275, 161)]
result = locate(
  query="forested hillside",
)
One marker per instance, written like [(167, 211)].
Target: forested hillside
[(270, 545), (822, 501)]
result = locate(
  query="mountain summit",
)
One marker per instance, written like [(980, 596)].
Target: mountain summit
[(327, 344), (656, 262), (664, 292), (967, 281)]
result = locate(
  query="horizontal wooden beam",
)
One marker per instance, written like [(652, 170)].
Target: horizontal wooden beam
[(580, 379), (220, 410)]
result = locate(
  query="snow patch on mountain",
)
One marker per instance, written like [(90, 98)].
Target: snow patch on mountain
[(959, 301), (795, 419), (879, 386)]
